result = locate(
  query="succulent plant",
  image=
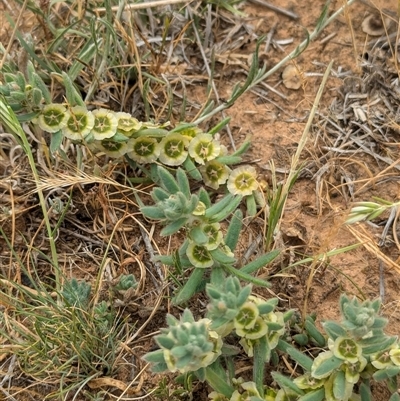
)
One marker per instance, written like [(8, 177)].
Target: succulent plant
[(186, 345)]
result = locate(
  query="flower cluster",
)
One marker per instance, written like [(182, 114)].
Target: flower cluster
[(256, 319), (119, 134)]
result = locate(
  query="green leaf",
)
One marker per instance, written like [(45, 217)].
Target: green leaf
[(217, 381), (219, 126), (386, 373), (268, 306), (167, 180), (228, 159), (173, 227), (247, 277), (314, 332), (316, 395), (192, 170), (220, 256), (183, 182), (198, 235), (385, 343), (165, 341), (154, 356), (18, 96), (56, 141), (204, 197), (158, 194), (286, 383), (190, 287), (261, 350), (235, 226), (334, 330), (43, 88), (365, 392), (73, 96), (20, 80), (339, 385), (37, 97), (301, 358), (301, 339), (85, 56), (251, 205), (153, 212), (327, 366), (260, 262), (224, 213), (219, 206)]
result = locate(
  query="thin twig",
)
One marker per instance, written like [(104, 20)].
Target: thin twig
[(139, 6), (277, 9)]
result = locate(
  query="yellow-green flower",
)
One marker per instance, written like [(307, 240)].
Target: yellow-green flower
[(346, 348), (191, 132), (307, 382), (382, 359), (214, 396), (204, 148), (259, 329), (199, 256), (53, 117), (214, 235), (250, 390), (242, 181), (111, 148), (127, 124), (144, 149), (105, 124), (247, 316), (200, 209), (214, 173), (79, 124), (173, 149)]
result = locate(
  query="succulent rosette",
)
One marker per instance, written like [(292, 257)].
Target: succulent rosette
[(173, 150), (105, 124), (186, 345), (53, 117), (204, 148), (144, 149), (243, 181), (79, 123)]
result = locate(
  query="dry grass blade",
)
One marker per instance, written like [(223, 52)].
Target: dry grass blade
[(371, 246)]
